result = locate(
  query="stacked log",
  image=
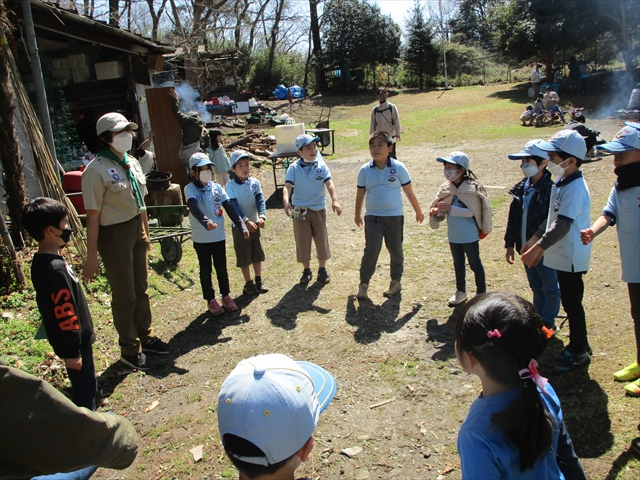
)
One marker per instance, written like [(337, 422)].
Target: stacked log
[(256, 142)]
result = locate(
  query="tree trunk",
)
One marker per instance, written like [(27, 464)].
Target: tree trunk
[(274, 35), (114, 17), (321, 81)]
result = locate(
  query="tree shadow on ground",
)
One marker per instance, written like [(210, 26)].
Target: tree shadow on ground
[(203, 330), (442, 336), (584, 404), (297, 300), (373, 320), (516, 93), (172, 274)]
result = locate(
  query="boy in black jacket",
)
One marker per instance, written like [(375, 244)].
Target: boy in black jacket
[(528, 209), (60, 298)]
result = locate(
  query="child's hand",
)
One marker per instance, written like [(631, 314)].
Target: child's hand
[(433, 212), (358, 221), (527, 246), (211, 225), (245, 235), (173, 93), (261, 223), (73, 363), (287, 209), (419, 217), (443, 207), (532, 257), (252, 227), (587, 236), (509, 255), (336, 208)]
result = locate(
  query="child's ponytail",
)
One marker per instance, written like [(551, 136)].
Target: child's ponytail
[(504, 333)]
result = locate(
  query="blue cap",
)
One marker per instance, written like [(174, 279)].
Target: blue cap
[(237, 155), (304, 140), (635, 125), (530, 149), (568, 141), (199, 159), (456, 158), (625, 140)]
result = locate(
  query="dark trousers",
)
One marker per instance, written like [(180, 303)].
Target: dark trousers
[(377, 229), (218, 252), (472, 250), (571, 293), (634, 299), (393, 151), (84, 385)]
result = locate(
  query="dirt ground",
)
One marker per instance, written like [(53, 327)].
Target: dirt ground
[(401, 394)]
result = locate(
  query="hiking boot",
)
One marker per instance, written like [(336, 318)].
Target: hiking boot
[(323, 276), (394, 288), (457, 298), (570, 360), (139, 361), (215, 308), (307, 275), (250, 288), (362, 292), (155, 345), (260, 286), (228, 304), (630, 372), (633, 388), (561, 354)]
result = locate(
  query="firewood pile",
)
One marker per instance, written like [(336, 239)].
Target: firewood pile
[(256, 142)]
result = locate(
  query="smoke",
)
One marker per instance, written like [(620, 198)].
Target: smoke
[(619, 85), (190, 101)]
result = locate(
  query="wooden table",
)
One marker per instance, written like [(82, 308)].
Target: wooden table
[(282, 160), (316, 132)]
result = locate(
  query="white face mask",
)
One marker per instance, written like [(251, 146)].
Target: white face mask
[(451, 175), (555, 168), (122, 142), (205, 176), (529, 170)]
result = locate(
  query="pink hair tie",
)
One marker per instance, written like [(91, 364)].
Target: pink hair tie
[(532, 372), (494, 333)]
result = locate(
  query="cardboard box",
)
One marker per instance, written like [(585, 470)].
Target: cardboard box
[(61, 74), (286, 137), (109, 70), (60, 63), (83, 74), (80, 60)]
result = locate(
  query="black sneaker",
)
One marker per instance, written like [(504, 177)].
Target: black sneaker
[(155, 345), (138, 361), (323, 276), (250, 288), (260, 286), (307, 275)]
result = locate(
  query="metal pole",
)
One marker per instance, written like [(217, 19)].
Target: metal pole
[(36, 69)]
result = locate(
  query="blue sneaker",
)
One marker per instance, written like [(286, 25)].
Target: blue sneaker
[(561, 354), (570, 360)]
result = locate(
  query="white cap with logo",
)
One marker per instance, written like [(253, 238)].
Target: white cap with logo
[(568, 141)]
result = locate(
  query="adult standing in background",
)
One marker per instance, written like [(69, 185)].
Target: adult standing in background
[(634, 99), (536, 78), (113, 189), (384, 117)]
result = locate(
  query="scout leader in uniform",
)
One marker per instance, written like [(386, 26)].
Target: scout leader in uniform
[(113, 188)]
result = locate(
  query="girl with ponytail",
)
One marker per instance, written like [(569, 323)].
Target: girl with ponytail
[(514, 429)]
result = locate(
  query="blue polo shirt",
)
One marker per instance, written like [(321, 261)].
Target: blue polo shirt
[(210, 199), (623, 208), (383, 187), (308, 179), (247, 198)]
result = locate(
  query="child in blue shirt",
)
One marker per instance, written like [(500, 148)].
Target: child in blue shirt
[(382, 181), (514, 429), (528, 209), (246, 196), (206, 200), (464, 202), (558, 240), (219, 158), (310, 175), (623, 212)]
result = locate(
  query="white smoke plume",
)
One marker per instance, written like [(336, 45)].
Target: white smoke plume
[(190, 101)]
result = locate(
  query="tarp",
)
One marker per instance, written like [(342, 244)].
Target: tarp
[(281, 93)]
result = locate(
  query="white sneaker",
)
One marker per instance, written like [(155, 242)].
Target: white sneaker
[(362, 292), (457, 298), (394, 288)]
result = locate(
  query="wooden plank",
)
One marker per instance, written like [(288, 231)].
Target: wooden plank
[(168, 135)]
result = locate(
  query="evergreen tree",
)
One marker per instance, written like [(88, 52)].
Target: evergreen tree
[(420, 56)]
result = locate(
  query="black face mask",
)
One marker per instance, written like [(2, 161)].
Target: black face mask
[(65, 236)]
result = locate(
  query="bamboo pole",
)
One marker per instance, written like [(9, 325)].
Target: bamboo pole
[(45, 162), (13, 256)]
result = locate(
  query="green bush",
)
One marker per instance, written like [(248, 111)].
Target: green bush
[(287, 69)]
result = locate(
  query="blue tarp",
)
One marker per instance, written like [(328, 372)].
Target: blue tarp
[(296, 92)]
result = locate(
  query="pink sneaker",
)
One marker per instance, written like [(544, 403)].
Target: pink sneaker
[(228, 304), (215, 308)]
